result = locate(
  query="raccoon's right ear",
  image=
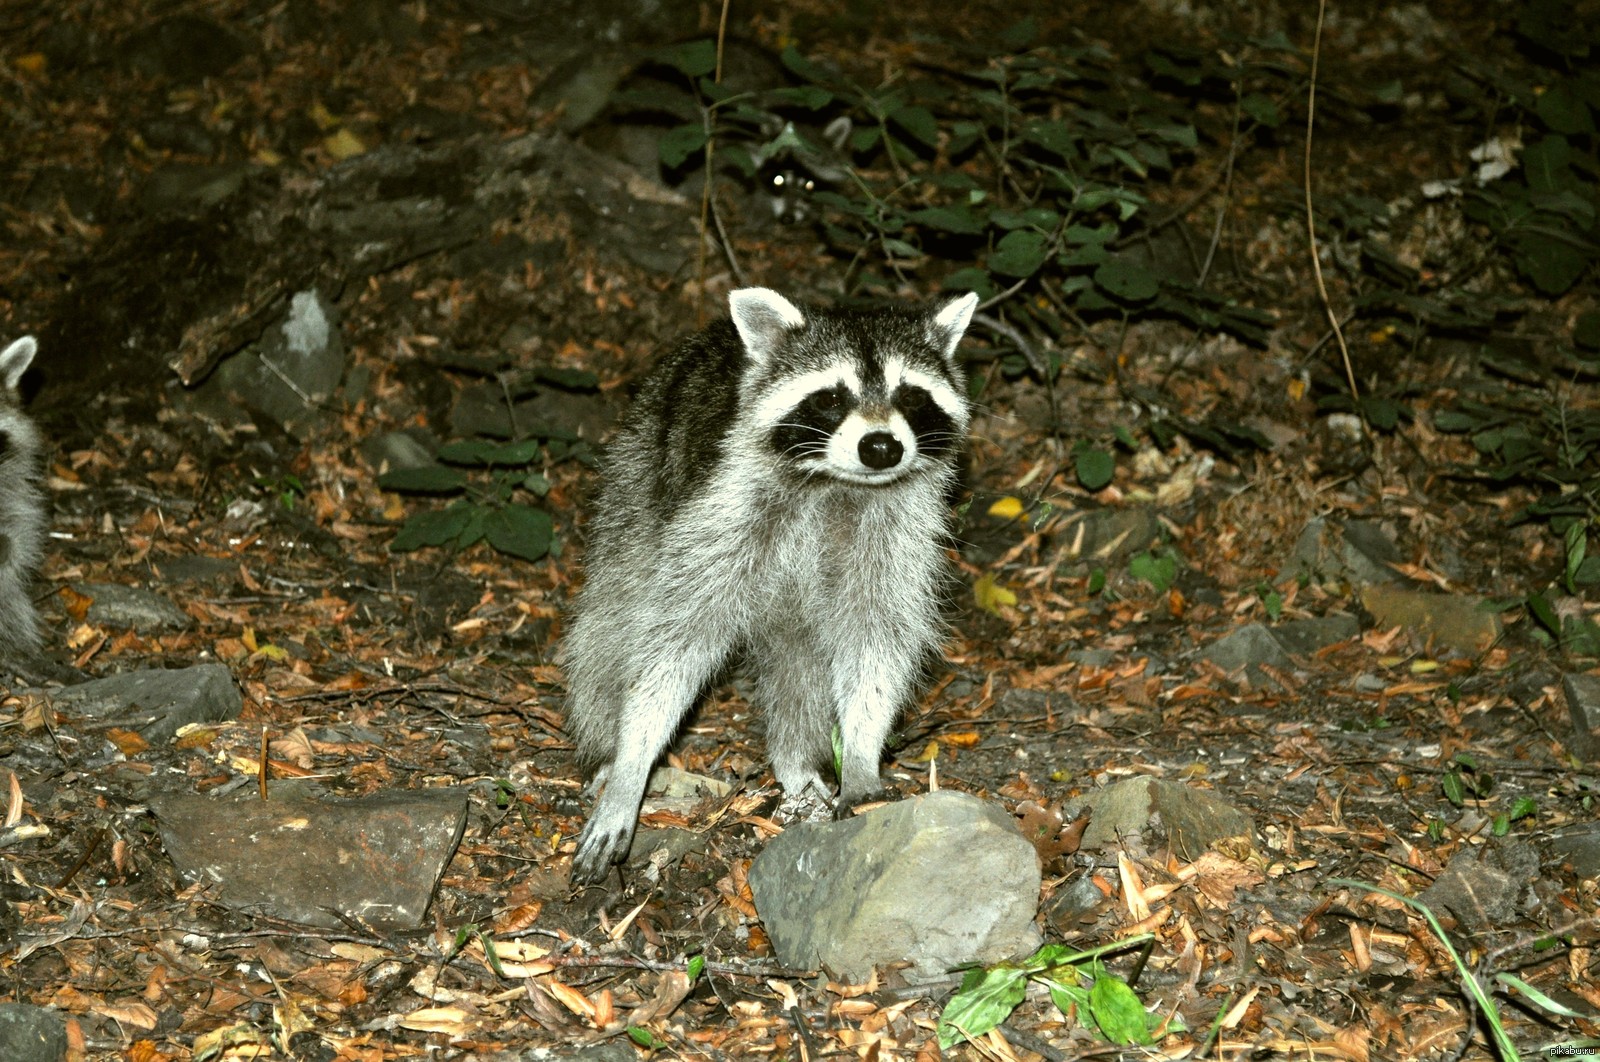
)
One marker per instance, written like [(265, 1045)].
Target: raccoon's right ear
[(15, 359), (762, 316)]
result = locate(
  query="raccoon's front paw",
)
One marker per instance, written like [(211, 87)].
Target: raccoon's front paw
[(598, 848), (847, 803)]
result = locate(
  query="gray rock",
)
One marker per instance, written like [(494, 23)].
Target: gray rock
[(1302, 637), (1484, 889), (1255, 644), (1246, 649), (1136, 808), (1583, 706), (1359, 552), (157, 703), (303, 856), (114, 605), (192, 188), (1107, 535), (290, 374), (941, 880), (394, 450), (1580, 846), (31, 1034)]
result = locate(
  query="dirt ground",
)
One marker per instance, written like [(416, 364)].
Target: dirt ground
[(373, 670)]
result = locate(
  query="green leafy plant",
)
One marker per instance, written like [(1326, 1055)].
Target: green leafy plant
[(1465, 780), (288, 488), (486, 478), (1158, 567), (1079, 985)]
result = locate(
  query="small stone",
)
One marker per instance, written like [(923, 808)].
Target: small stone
[(157, 703), (1462, 622), (941, 880), (1191, 819), (304, 856)]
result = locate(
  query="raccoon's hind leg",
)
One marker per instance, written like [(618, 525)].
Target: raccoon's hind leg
[(651, 712), (792, 691)]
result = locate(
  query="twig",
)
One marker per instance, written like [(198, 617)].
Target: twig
[(1311, 219)]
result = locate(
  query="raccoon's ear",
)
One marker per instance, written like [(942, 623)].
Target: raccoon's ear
[(762, 316), (15, 359), (950, 323)]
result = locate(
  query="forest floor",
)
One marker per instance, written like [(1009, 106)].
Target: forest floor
[(1404, 756)]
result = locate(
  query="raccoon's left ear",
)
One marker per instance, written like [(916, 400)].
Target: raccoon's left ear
[(950, 323), (762, 316)]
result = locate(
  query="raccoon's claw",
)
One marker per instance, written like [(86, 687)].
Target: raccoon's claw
[(597, 850), (846, 806)]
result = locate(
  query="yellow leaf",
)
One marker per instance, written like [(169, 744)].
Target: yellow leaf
[(991, 595), (322, 116), (1007, 508), (33, 63), (343, 145), (927, 755)]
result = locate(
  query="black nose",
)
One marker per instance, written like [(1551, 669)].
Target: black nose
[(880, 450)]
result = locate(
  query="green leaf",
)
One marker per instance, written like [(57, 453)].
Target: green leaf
[(1262, 109), (1382, 413), (1540, 999), (1127, 280), (643, 1037), (810, 97), (1577, 543), (919, 122), (1055, 137), (471, 532), (949, 219), (1539, 605), (433, 528), (970, 279), (693, 58), (1522, 807), (678, 143), (1095, 467), (804, 68), (1455, 789), (520, 531), (1564, 112), (427, 479), (1019, 254), (1548, 262), (1159, 570), (1453, 420), (984, 1000), (1586, 332), (1097, 581), (1118, 1012), (697, 964)]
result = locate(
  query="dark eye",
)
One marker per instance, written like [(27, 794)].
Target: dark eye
[(828, 401), (910, 399)]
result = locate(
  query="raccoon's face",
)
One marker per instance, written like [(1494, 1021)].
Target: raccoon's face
[(866, 398)]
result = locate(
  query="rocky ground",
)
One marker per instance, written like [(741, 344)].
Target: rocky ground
[(272, 251)]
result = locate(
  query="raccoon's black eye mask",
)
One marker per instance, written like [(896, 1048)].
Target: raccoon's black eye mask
[(830, 401)]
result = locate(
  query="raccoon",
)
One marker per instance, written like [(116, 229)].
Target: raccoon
[(779, 489), (792, 167), (21, 508)]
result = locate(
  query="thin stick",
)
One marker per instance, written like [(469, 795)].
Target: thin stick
[(711, 147), (1311, 224)]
